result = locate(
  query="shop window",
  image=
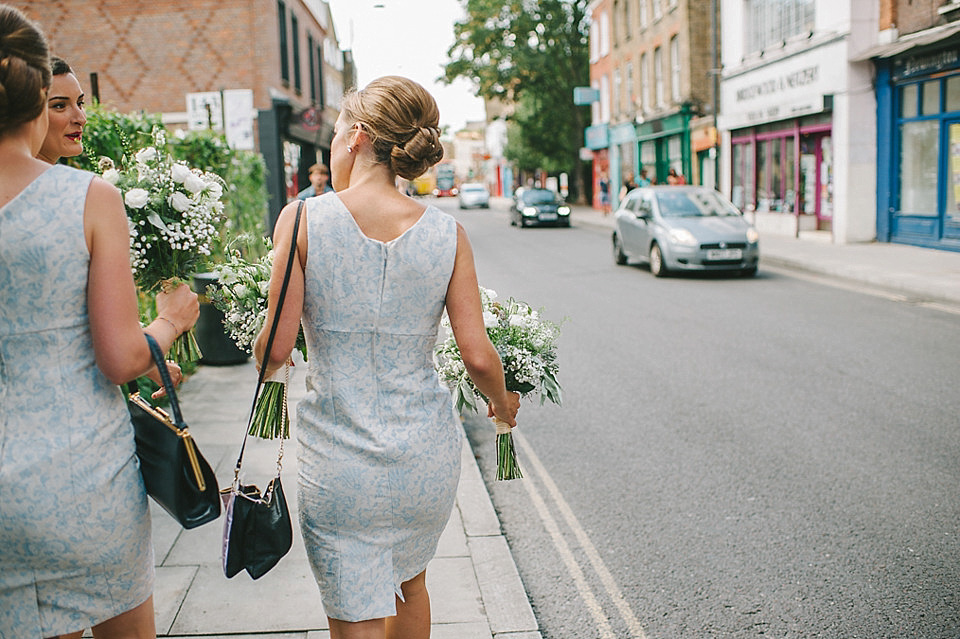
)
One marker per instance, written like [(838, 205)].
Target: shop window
[(764, 196), (953, 94), (919, 156), (789, 176), (908, 100), (931, 97)]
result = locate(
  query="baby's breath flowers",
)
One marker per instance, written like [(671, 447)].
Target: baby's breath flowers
[(241, 295), (527, 345), (173, 212)]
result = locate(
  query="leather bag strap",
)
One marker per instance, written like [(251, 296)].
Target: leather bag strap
[(273, 332), (161, 363)]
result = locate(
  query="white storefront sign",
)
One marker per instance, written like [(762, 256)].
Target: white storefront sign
[(204, 111), (788, 88), (238, 114)]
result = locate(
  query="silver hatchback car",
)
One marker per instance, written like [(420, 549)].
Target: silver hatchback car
[(684, 228)]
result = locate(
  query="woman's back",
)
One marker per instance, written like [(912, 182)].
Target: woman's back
[(75, 546), (379, 443)]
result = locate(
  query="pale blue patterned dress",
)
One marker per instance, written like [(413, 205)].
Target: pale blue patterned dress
[(379, 444), (75, 547)]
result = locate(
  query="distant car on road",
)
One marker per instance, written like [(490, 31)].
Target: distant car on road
[(684, 228), (538, 207), (474, 194)]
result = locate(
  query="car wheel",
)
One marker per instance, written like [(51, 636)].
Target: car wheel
[(619, 257), (656, 262), (749, 272)]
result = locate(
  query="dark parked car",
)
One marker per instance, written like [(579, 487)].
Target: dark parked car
[(538, 206), (684, 228)]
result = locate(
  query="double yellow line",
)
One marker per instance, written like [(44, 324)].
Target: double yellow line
[(600, 616)]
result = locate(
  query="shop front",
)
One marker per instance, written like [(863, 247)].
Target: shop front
[(597, 140), (664, 144), (780, 125), (918, 132)]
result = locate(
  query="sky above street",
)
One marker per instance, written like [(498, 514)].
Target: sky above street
[(408, 38)]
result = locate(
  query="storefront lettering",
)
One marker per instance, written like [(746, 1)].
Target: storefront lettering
[(924, 63), (800, 78)]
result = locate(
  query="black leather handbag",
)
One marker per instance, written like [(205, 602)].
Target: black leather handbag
[(257, 531), (174, 472)]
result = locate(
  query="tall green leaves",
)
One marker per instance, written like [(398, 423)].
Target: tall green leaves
[(531, 53)]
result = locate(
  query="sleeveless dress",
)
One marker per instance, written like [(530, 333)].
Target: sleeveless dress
[(75, 545), (379, 443)]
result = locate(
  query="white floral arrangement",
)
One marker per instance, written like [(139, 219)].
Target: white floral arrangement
[(173, 212), (527, 345), (241, 294)]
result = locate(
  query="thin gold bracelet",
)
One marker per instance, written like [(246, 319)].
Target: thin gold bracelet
[(176, 331)]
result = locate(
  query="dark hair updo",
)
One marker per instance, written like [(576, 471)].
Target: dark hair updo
[(403, 122), (59, 66), (24, 69)]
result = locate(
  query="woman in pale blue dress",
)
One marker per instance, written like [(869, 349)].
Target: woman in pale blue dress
[(75, 546), (379, 444)]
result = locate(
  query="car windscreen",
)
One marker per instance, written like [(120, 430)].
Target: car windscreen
[(693, 204), (538, 196)]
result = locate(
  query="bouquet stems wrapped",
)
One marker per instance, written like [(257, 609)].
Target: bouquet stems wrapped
[(270, 417), (185, 347), (527, 347)]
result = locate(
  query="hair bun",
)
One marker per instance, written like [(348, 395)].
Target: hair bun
[(418, 154)]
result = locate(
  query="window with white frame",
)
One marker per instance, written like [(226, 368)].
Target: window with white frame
[(604, 98), (642, 13), (616, 27), (617, 95), (675, 69), (644, 83), (595, 105), (604, 33), (628, 88), (657, 9), (770, 23), (658, 76)]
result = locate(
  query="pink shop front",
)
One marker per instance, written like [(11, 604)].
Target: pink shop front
[(785, 167)]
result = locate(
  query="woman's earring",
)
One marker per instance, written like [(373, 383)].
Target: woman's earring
[(349, 149)]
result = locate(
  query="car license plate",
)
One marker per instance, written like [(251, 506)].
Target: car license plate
[(548, 217), (724, 254)]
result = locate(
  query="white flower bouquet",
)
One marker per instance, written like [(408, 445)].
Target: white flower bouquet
[(527, 345), (241, 295), (173, 212)]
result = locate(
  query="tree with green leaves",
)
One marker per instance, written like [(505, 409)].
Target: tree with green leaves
[(531, 54)]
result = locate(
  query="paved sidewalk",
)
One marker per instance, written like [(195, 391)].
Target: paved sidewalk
[(475, 589)]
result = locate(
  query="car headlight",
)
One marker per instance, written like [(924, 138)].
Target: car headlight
[(530, 211), (682, 237), (564, 210), (752, 235)]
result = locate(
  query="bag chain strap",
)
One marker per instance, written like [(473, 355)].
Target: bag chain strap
[(263, 369)]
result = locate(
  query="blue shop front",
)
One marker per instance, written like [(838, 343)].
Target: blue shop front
[(918, 144)]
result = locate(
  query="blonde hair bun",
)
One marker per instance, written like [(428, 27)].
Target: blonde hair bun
[(403, 122)]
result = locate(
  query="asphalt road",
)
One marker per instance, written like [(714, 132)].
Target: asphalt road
[(735, 457)]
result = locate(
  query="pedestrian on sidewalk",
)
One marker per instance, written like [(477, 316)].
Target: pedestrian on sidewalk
[(319, 182), (75, 537), (378, 441)]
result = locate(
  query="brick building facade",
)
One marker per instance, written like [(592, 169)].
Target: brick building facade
[(150, 54)]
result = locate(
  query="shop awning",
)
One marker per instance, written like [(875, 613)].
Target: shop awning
[(907, 42)]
